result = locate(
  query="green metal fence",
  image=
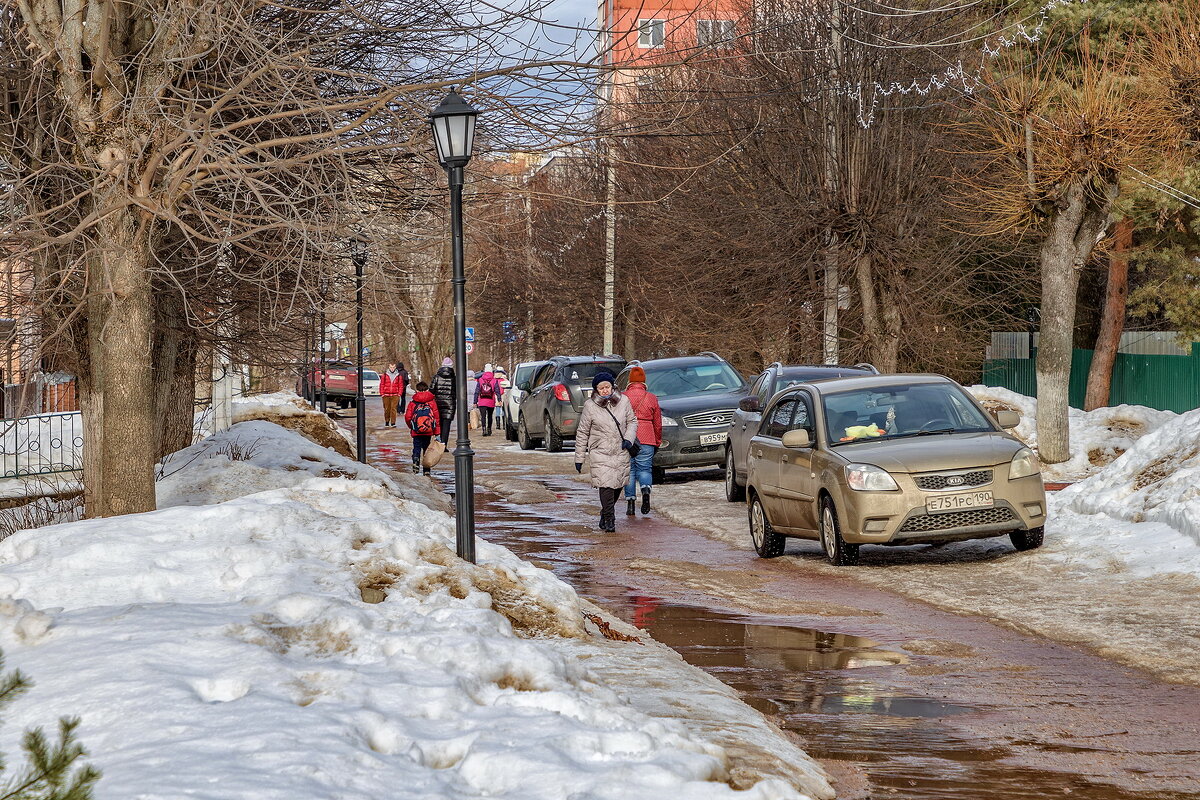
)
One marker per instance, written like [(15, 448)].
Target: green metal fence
[(1158, 381)]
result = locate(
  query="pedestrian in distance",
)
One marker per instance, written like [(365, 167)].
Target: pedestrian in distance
[(487, 396), (505, 385), (445, 389), (649, 436), (607, 431), (392, 386), (404, 389), (423, 422)]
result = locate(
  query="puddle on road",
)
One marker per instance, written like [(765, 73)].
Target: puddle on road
[(828, 688)]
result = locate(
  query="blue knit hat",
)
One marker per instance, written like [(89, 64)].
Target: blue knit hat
[(601, 377)]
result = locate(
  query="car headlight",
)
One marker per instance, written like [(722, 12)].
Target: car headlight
[(1024, 464), (869, 478), (668, 422)]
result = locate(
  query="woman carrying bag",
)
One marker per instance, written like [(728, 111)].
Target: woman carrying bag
[(606, 434)]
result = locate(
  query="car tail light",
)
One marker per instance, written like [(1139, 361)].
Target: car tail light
[(561, 392)]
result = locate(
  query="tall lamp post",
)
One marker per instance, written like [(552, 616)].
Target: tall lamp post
[(454, 135), (358, 254)]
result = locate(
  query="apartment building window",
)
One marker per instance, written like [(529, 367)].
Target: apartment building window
[(715, 32), (651, 32)]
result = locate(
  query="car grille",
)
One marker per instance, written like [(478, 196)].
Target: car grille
[(957, 519), (935, 483), (704, 448), (709, 419)]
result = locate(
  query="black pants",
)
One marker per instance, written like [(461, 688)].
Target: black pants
[(485, 419), (419, 445), (446, 417), (608, 500)]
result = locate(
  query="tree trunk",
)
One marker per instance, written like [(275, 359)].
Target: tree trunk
[(1075, 226), (175, 392), (1112, 323), (881, 327), (120, 323)]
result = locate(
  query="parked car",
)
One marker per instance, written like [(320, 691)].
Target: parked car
[(550, 410), (891, 460), (748, 414), (341, 383), (512, 398), (370, 383), (697, 395)]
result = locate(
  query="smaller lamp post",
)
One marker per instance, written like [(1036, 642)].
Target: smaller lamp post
[(454, 135), (358, 254)]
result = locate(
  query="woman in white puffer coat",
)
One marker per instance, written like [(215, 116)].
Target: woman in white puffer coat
[(607, 424)]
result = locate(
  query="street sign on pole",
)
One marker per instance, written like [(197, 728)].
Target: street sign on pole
[(470, 334), (470, 346)]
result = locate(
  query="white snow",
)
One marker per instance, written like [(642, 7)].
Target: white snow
[(221, 648), (1097, 437)]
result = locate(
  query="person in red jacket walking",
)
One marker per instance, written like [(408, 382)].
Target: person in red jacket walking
[(649, 434), (423, 422), (392, 386)]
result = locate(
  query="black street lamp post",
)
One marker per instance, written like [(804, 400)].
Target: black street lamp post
[(359, 256), (454, 135)]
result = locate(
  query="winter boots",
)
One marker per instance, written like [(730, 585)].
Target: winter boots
[(608, 521), (645, 501), (629, 507)]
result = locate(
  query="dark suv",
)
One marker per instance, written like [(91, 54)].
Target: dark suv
[(748, 416), (698, 395), (554, 398)]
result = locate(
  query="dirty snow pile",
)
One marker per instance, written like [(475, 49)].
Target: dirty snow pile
[(318, 638), (1097, 437), (1154, 489)]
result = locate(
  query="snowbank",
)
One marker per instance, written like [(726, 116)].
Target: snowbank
[(318, 638), (1097, 437), (1157, 480)]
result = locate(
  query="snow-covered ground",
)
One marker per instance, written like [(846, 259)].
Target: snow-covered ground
[(292, 624), (1097, 437)]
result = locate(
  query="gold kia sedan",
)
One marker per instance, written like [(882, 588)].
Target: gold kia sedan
[(891, 460)]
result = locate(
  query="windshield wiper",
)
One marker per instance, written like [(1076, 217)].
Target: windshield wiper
[(935, 431)]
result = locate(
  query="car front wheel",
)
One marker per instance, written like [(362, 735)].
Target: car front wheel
[(554, 441), (839, 552), (767, 543), (1028, 540), (526, 441), (733, 492)]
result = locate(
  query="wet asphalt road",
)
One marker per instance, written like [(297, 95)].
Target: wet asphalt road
[(897, 699)]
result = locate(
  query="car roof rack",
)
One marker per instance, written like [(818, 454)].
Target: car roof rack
[(868, 367), (710, 354)]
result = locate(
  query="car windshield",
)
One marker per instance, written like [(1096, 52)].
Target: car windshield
[(675, 381), (900, 410), (338, 365), (583, 373), (370, 375)]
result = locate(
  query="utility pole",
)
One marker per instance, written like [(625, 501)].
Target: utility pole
[(610, 252), (832, 184)]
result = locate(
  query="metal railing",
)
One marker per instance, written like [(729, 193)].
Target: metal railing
[(42, 444)]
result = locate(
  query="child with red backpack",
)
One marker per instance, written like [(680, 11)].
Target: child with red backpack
[(423, 422)]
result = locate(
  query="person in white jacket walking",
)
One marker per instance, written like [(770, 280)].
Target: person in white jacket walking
[(606, 427)]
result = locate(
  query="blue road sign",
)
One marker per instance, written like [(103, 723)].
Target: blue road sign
[(470, 334)]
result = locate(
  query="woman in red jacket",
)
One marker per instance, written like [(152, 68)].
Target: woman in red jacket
[(649, 434)]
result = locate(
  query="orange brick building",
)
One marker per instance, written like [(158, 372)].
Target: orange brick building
[(642, 33)]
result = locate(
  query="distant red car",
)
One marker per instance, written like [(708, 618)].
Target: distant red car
[(341, 383)]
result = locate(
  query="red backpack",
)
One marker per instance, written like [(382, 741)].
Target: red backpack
[(487, 389), (422, 420)]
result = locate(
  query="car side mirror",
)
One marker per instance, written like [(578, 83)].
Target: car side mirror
[(1008, 419), (523, 386), (797, 439), (750, 404)]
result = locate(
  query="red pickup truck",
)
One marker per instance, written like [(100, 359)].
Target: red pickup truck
[(341, 383)]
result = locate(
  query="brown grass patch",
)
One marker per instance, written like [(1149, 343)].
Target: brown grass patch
[(1103, 456), (337, 472), (517, 683), (1162, 468), (607, 631), (271, 633), (314, 427), (529, 617), (1130, 427)]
